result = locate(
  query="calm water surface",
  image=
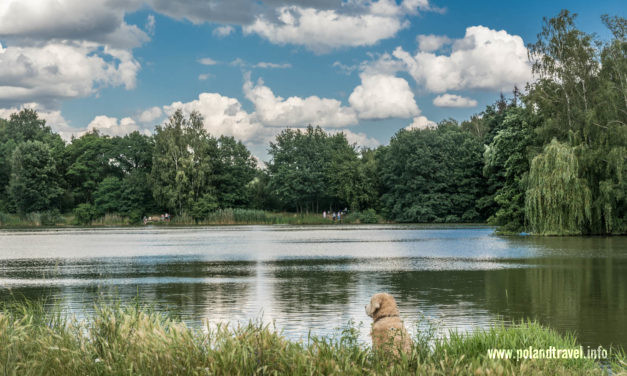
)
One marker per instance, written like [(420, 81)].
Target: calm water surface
[(317, 278)]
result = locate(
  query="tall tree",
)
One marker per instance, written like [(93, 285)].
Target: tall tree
[(21, 127), (506, 169), (34, 181), (234, 170), (432, 175), (565, 63), (311, 170), (558, 201), (297, 168), (90, 159), (581, 98), (183, 160)]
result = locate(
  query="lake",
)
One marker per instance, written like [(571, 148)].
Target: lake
[(318, 278)]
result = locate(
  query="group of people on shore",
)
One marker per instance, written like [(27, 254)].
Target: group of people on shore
[(336, 215), (164, 218)]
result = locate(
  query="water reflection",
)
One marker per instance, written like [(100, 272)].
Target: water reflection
[(317, 278)]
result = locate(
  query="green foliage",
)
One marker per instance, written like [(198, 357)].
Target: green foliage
[(506, 167), (90, 160), (51, 217), (312, 170), (235, 168), (557, 201), (136, 198), (353, 176), (299, 167), (432, 175), (133, 152), (183, 159), (108, 196), (118, 339), (22, 127), (581, 97), (259, 192), (84, 214), (368, 216), (34, 183), (204, 207)]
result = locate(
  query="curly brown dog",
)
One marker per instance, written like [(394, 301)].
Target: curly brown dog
[(388, 331)]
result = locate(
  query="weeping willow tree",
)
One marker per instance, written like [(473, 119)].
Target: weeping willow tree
[(557, 202)]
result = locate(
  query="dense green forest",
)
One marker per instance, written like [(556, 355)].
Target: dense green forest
[(548, 160)]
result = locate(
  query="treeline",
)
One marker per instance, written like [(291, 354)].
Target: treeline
[(550, 160)]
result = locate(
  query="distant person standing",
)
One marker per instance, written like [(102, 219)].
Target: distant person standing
[(339, 216), (324, 214), (334, 216)]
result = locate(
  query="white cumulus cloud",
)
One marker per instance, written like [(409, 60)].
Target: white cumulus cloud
[(58, 71), (483, 59), (383, 96), (222, 116), (150, 115), (207, 61), (421, 122), (430, 43), (100, 21), (359, 138), (325, 30), (151, 24), (223, 31), (452, 100), (63, 49), (112, 127), (263, 64), (274, 110)]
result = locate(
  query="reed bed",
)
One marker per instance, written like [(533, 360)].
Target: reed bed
[(35, 219), (133, 340), (260, 217), (219, 217)]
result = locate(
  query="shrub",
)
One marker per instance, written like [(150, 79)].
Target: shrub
[(84, 214), (369, 216), (50, 217), (135, 216), (203, 208)]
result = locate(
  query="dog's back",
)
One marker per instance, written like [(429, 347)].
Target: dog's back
[(388, 332)]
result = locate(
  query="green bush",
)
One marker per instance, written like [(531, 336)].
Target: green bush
[(84, 214), (204, 207), (50, 217), (369, 216), (135, 216)]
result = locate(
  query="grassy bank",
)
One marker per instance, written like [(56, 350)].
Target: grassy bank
[(219, 217), (132, 340)]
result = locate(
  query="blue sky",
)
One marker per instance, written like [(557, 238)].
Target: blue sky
[(367, 68)]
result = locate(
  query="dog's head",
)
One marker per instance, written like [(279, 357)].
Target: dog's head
[(381, 304)]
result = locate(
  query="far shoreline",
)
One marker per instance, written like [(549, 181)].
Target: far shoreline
[(200, 225)]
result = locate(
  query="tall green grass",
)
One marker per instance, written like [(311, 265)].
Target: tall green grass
[(132, 340), (46, 218), (111, 220)]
